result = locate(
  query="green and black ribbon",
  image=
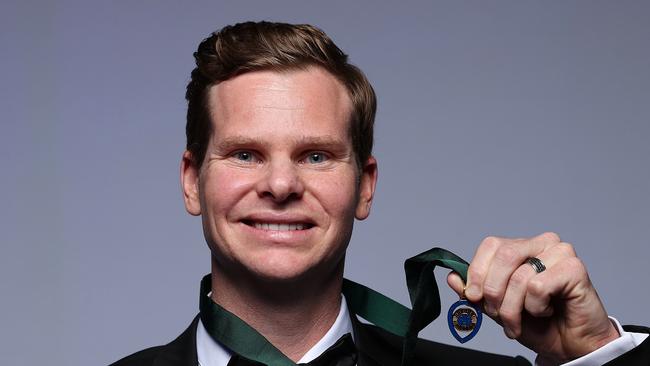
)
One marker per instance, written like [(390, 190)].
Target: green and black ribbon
[(367, 303)]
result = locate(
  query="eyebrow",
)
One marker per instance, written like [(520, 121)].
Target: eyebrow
[(233, 142), (318, 142)]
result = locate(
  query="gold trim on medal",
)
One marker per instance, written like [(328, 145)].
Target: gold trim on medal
[(464, 319)]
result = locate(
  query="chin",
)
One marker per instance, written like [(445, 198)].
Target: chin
[(281, 267), (292, 267)]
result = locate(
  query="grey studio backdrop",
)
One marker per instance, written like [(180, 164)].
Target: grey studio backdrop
[(495, 118)]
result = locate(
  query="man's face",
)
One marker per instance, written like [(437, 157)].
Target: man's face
[(279, 188)]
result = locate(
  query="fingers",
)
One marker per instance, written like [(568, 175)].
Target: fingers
[(456, 283), (495, 261), (500, 277), (526, 286), (555, 312), (559, 279), (479, 267), (507, 259)]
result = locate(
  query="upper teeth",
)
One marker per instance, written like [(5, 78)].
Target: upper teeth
[(279, 227)]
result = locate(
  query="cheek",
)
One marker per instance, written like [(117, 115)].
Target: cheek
[(337, 194), (223, 188)]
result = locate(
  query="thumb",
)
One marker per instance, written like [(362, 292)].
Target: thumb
[(456, 283)]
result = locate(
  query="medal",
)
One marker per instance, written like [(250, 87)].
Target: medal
[(464, 320)]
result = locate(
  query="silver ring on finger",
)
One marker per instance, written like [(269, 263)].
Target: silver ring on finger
[(537, 264)]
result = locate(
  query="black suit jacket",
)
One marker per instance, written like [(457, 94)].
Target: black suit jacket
[(376, 348)]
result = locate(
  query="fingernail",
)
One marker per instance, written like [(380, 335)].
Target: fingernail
[(472, 291), (509, 333), (489, 310)]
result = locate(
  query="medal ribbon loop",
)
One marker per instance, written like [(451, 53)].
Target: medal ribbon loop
[(229, 330)]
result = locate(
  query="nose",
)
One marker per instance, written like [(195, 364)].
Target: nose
[(281, 182)]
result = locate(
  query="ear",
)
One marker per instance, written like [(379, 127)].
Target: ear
[(190, 184), (367, 183)]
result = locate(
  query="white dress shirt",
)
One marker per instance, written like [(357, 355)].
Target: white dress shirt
[(611, 350), (212, 353)]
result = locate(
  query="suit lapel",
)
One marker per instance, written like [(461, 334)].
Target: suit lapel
[(182, 350), (375, 350)]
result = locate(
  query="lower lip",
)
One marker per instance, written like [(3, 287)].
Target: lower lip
[(278, 236)]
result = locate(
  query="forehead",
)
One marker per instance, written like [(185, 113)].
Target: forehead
[(308, 99)]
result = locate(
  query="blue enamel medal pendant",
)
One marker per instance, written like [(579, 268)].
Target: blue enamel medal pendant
[(464, 320)]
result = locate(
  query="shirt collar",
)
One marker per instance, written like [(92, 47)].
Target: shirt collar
[(212, 353)]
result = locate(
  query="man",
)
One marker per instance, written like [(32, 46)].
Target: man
[(278, 165)]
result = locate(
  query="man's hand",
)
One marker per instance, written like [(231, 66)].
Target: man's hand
[(556, 313)]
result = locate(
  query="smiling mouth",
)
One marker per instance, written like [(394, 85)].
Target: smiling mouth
[(272, 226)]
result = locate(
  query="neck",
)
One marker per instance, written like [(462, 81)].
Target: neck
[(291, 314)]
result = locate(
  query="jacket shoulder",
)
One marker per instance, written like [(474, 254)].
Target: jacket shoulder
[(180, 352), (140, 358)]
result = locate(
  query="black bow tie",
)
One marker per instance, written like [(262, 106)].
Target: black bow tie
[(342, 353)]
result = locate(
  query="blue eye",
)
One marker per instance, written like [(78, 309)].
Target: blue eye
[(245, 156), (316, 158)]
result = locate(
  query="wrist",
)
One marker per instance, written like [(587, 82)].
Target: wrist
[(594, 341), (610, 335), (581, 346)]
